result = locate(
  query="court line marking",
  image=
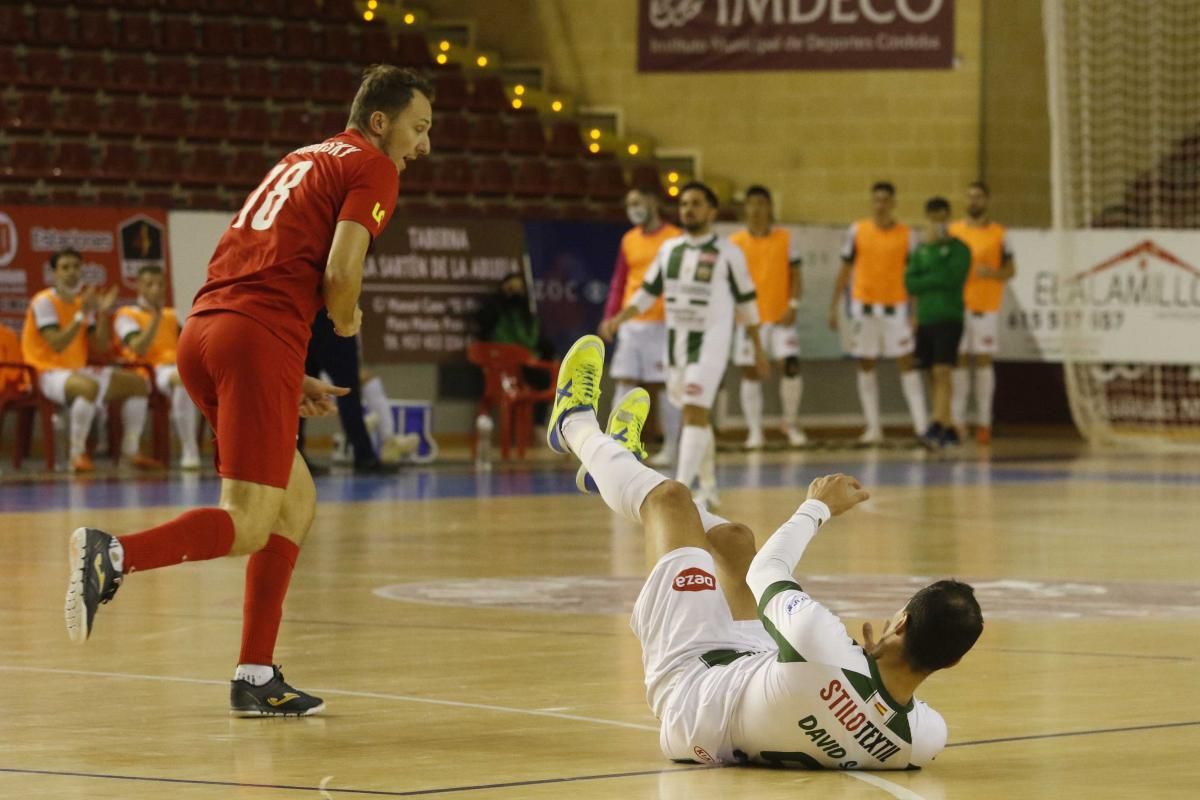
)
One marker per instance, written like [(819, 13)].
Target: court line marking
[(1067, 734), (327, 791), (894, 789), (343, 693)]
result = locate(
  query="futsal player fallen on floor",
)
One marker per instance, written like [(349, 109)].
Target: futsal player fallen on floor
[(741, 664)]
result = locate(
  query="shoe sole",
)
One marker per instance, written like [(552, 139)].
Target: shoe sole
[(580, 344), (254, 713), (581, 473), (75, 610)]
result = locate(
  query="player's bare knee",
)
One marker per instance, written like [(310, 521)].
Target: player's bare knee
[(79, 386), (734, 541), (250, 530), (667, 494), (749, 374), (791, 366), (866, 365)]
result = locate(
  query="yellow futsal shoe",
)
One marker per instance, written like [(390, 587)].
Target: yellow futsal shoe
[(625, 425), (578, 386)]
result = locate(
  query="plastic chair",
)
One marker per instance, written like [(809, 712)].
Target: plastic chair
[(505, 391), (24, 398)]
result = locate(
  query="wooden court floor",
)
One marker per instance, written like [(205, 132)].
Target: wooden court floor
[(478, 647)]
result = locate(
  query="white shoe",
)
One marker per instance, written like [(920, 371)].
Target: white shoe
[(190, 461), (660, 459), (398, 446), (871, 437), (755, 441), (795, 438)]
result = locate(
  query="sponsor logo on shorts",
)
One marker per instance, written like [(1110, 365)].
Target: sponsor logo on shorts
[(793, 605), (693, 389), (694, 579), (703, 755), (987, 340)]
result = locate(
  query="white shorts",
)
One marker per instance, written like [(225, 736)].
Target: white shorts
[(680, 617), (981, 333), (779, 341), (163, 376), (641, 352), (879, 334), (694, 372), (53, 382)]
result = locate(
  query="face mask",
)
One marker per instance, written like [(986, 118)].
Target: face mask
[(637, 214)]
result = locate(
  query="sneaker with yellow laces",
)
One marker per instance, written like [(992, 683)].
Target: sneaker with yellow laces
[(625, 425)]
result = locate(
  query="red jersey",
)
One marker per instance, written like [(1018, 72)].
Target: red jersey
[(269, 263)]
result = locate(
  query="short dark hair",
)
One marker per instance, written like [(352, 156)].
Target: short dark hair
[(883, 186), (709, 195), (757, 190), (981, 186), (938, 203), (944, 621), (66, 251), (150, 269), (388, 89), (647, 191)]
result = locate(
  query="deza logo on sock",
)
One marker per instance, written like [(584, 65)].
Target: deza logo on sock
[(693, 579)]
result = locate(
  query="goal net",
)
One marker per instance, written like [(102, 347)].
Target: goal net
[(1124, 98)]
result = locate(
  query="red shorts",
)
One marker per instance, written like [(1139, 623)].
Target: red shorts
[(247, 382)]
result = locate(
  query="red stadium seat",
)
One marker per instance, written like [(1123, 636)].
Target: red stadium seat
[(210, 120), (304, 9), (118, 163), (338, 10), (266, 8), (332, 122), (73, 162), (489, 134), (337, 43), (206, 167), (417, 178), (525, 135), (54, 27), (213, 77), (33, 114), (565, 140), (297, 41), (14, 24), (452, 176), (130, 73), (44, 68), (137, 32), (606, 181), (28, 160), (111, 198), (163, 165), (450, 89), (80, 114), (296, 126), (250, 124), (15, 195), (96, 30), (123, 115), (11, 71), (645, 176), (412, 50), (165, 119), (491, 177), (376, 45), (218, 36), (178, 35), (295, 81), (158, 198), (258, 38), (205, 199), (336, 84), (568, 179), (451, 133), (253, 80), (247, 168), (67, 196), (532, 179), (172, 76), (487, 96), (88, 70)]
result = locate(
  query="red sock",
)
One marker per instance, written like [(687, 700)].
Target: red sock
[(267, 578), (195, 536)]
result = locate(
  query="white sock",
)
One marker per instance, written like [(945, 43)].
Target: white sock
[(623, 481), (985, 390), (83, 411), (752, 406), (671, 418), (708, 519), (708, 464), (254, 674), (133, 418), (116, 554), (186, 418), (693, 442), (375, 399), (960, 387), (914, 395), (868, 395), (790, 392)]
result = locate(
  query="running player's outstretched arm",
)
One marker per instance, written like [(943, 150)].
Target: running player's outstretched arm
[(343, 276), (803, 628)]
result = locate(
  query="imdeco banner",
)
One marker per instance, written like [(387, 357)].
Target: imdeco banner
[(720, 35)]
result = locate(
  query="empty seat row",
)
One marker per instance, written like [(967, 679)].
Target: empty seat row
[(601, 179), (305, 9)]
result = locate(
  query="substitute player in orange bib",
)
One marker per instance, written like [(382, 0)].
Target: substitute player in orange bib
[(991, 267), (296, 248), (149, 331)]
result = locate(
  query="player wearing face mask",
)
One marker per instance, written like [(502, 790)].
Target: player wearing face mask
[(937, 271)]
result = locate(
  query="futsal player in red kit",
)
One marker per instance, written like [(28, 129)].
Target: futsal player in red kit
[(296, 246)]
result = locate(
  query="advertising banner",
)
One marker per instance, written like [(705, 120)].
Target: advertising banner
[(114, 243), (721, 35), (424, 283)]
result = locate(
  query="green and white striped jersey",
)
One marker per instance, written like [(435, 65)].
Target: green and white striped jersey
[(704, 282)]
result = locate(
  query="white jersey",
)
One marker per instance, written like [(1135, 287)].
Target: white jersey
[(818, 700), (705, 282)]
